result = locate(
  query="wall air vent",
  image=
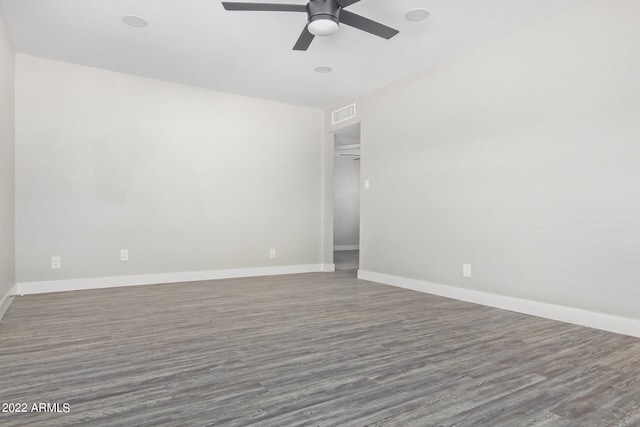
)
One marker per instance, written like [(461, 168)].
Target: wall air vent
[(343, 114)]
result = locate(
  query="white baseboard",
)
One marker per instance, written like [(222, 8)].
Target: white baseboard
[(606, 322), (26, 288), (329, 268), (6, 301), (346, 248)]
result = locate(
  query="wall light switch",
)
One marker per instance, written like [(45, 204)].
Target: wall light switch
[(366, 184), (56, 262), (466, 270), (124, 254), (272, 253)]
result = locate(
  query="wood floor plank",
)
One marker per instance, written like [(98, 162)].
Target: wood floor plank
[(316, 349)]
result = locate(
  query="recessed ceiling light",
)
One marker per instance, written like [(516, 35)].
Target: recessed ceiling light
[(323, 69), (417, 15), (134, 21)]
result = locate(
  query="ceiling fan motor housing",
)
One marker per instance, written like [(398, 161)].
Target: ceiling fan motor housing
[(323, 9)]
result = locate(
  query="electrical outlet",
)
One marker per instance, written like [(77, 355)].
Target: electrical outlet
[(56, 262), (124, 254), (466, 270), (272, 253)]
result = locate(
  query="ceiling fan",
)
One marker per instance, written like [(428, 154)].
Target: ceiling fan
[(323, 17)]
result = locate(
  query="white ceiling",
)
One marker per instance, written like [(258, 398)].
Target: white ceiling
[(198, 43)]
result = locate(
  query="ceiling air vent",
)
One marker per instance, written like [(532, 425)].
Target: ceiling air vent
[(343, 114)]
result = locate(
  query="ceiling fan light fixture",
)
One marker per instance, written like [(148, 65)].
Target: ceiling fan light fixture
[(323, 26)]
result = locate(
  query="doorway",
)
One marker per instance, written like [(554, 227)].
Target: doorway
[(346, 199)]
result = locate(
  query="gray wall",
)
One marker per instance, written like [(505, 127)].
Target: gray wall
[(7, 206), (521, 158), (346, 202), (186, 179)]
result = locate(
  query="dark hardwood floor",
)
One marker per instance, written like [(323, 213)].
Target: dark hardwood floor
[(313, 349)]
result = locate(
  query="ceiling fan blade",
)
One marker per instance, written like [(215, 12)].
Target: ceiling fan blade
[(360, 22), (345, 3), (304, 40), (272, 7)]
